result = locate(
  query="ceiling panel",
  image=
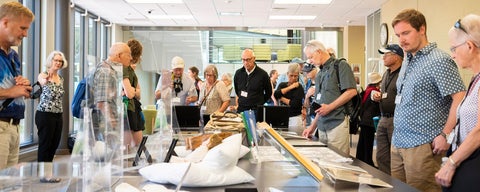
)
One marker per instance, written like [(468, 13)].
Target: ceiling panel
[(254, 12)]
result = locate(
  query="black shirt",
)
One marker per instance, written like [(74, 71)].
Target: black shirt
[(389, 86), (257, 86)]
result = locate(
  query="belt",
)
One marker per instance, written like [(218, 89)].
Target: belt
[(10, 120), (387, 114)]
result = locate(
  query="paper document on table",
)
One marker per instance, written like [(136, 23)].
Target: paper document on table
[(347, 172)]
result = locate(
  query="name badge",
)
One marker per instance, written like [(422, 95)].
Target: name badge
[(319, 96), (244, 94), (398, 99), (176, 100), (203, 108), (384, 95)]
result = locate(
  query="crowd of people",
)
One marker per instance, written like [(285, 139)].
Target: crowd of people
[(425, 112)]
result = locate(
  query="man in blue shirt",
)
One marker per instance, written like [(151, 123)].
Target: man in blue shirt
[(429, 89), (331, 120), (14, 25)]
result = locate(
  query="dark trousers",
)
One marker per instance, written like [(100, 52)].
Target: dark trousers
[(466, 177), (49, 127), (384, 140), (365, 144)]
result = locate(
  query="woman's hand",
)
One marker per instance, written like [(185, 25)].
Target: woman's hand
[(445, 174)]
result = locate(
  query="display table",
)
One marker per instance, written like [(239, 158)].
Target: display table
[(283, 173)]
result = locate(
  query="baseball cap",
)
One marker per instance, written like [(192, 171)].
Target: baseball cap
[(177, 62), (394, 48), (308, 67), (297, 60)]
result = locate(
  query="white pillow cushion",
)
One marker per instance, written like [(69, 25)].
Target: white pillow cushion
[(218, 168), (224, 155), (198, 175)]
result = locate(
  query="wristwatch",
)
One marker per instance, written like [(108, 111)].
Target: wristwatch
[(448, 137)]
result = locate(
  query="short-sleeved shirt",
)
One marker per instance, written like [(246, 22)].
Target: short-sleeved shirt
[(389, 86), (188, 89), (51, 97), (129, 73), (105, 85), (215, 98), (424, 84), (327, 86), (9, 68)]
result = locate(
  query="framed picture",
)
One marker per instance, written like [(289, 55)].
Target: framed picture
[(356, 68)]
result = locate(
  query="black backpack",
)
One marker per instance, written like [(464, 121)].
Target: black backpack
[(352, 107)]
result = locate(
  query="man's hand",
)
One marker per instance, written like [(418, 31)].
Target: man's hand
[(439, 145), (22, 81)]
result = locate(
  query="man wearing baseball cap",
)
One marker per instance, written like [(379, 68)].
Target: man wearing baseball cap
[(392, 59), (181, 87)]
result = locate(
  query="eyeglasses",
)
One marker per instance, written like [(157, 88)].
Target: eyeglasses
[(247, 59), (60, 61), (453, 48), (458, 25), (209, 75)]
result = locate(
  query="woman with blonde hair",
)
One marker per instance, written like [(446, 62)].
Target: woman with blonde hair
[(460, 172), (49, 114)]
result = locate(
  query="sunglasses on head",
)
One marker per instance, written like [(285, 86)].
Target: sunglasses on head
[(458, 25)]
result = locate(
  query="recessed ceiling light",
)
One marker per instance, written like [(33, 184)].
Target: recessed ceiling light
[(230, 13), (156, 1), (292, 17), (170, 16), (302, 1)]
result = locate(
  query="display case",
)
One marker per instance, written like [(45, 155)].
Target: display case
[(277, 164)]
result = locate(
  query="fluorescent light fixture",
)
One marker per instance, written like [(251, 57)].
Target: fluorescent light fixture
[(302, 1), (156, 1), (230, 13), (292, 17), (170, 16)]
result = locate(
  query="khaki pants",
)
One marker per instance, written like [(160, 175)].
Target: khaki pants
[(338, 137), (9, 144), (416, 166)]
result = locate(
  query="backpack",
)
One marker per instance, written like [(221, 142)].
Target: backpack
[(352, 107), (78, 101)]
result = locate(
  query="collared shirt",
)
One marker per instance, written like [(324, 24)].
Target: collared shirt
[(326, 84), (256, 88), (105, 83), (424, 84), (188, 89), (16, 109), (389, 86)]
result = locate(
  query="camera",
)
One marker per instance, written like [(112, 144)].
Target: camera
[(36, 90), (177, 85)]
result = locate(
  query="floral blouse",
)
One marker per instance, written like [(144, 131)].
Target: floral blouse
[(51, 97)]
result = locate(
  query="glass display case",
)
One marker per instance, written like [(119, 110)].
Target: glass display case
[(277, 164)]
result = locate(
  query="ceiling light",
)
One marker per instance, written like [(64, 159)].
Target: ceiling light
[(230, 13), (302, 1), (293, 17), (170, 16), (156, 1)]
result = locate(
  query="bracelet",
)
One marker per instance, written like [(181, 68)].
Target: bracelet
[(452, 161)]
